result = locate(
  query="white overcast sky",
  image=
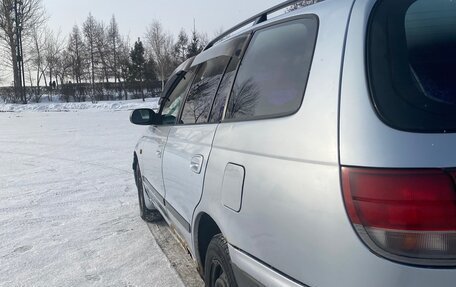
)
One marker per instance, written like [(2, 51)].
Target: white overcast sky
[(134, 16)]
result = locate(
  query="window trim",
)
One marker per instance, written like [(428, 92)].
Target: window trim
[(310, 16), (373, 85), (217, 91), (182, 69), (241, 57), (181, 109), (178, 80), (172, 88)]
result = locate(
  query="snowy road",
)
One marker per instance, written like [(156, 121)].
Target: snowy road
[(68, 204)]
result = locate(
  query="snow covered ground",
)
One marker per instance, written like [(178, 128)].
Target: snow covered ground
[(68, 107), (68, 203)]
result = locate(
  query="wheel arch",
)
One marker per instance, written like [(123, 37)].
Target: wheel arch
[(205, 228)]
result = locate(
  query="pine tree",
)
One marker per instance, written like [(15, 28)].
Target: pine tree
[(150, 73), (194, 48), (181, 46), (137, 66)]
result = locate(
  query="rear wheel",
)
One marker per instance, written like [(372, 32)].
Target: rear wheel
[(146, 214), (218, 271)]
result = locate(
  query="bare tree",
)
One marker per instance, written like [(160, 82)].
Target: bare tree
[(204, 39), (63, 68), (124, 63), (218, 32), (114, 48), (90, 28), (37, 61), (102, 51), (243, 100), (76, 49), (55, 44), (161, 45), (32, 16)]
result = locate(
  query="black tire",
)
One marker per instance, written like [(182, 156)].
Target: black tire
[(145, 213), (217, 270)]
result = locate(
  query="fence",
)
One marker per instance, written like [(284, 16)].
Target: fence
[(85, 92)]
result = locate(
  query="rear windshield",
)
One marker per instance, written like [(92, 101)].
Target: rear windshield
[(411, 60)]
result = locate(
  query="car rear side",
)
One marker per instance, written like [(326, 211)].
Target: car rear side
[(397, 140), (330, 157)]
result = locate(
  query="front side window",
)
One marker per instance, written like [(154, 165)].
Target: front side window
[(411, 64), (273, 73), (172, 104), (198, 104)]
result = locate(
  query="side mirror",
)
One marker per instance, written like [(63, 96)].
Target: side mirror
[(145, 117)]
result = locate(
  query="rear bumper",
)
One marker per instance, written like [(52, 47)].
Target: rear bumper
[(251, 272)]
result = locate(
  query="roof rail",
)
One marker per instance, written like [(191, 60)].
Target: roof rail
[(259, 18)]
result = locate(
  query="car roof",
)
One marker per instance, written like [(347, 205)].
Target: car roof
[(262, 19)]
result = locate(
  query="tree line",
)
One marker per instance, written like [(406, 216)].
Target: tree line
[(94, 62)]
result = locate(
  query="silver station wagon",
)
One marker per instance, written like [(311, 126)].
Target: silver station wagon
[(313, 148)]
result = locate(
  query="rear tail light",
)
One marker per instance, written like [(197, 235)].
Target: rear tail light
[(407, 216)]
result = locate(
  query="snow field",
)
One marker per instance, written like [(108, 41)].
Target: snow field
[(68, 203), (68, 107)]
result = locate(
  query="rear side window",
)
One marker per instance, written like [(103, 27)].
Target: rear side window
[(224, 91), (227, 80), (411, 58), (273, 73), (199, 100)]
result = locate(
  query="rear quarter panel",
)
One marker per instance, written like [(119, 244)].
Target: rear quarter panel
[(292, 208)]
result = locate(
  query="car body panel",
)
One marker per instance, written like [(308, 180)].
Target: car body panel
[(184, 186), (150, 154), (365, 139), (292, 228)]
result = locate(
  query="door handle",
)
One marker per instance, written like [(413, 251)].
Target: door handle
[(196, 164), (158, 153)]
